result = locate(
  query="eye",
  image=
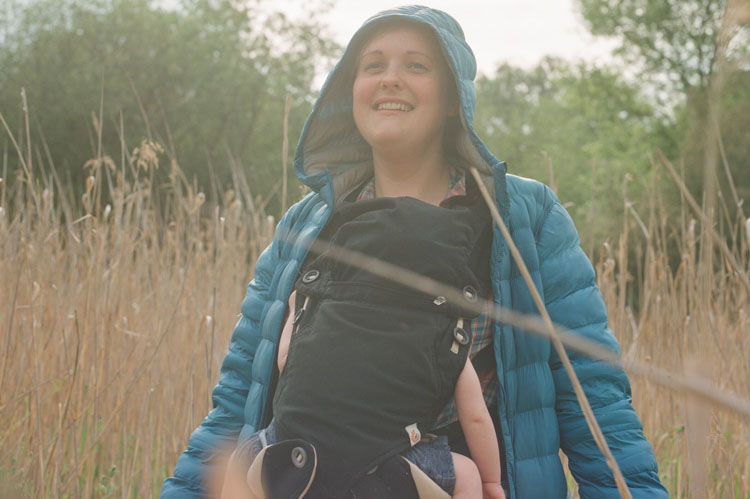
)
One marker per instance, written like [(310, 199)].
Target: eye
[(417, 66), (371, 67)]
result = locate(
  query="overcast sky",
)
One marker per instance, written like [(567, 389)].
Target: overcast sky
[(519, 32)]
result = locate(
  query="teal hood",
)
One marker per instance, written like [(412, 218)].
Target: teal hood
[(333, 158)]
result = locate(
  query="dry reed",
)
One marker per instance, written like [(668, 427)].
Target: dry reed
[(114, 323), (116, 312)]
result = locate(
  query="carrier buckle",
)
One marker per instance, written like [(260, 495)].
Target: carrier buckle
[(460, 336)]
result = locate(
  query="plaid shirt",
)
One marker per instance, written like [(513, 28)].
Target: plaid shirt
[(481, 327)]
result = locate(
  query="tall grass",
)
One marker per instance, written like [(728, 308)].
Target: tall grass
[(691, 319), (115, 317), (116, 312)]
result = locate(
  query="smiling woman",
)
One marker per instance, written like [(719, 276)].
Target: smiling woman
[(403, 95), (339, 383)]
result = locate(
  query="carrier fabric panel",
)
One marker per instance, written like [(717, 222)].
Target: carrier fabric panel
[(312, 401), (369, 358)]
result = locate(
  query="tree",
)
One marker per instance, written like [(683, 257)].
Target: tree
[(205, 79), (570, 120), (697, 46), (733, 127), (671, 39)]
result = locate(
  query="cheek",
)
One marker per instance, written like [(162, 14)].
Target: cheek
[(361, 90), (438, 98), (360, 98)]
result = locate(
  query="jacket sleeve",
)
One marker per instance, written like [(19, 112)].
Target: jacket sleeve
[(223, 424), (574, 302)]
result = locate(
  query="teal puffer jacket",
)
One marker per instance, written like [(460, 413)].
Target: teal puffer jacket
[(538, 410)]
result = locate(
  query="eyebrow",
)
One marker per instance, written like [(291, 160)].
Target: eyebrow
[(408, 52)]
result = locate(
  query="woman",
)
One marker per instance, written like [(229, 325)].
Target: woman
[(380, 129)]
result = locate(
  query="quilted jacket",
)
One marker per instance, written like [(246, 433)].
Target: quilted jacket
[(537, 407)]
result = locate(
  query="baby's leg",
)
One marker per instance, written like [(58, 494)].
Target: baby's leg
[(468, 481), (235, 485), (234, 480)]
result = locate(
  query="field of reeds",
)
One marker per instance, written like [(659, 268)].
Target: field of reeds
[(116, 309)]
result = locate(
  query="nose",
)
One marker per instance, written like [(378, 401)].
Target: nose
[(391, 78)]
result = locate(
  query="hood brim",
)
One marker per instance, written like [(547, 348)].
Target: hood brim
[(333, 158)]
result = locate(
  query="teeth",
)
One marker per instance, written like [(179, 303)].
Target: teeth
[(395, 106)]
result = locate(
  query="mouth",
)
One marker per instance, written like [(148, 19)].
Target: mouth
[(393, 106)]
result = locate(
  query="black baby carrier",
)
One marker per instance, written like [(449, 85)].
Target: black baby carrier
[(372, 363)]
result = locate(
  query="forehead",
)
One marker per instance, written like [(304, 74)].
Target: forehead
[(406, 37)]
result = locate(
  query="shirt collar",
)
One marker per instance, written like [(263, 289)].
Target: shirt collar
[(456, 187)]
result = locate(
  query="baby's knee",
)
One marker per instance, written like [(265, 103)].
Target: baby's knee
[(468, 480)]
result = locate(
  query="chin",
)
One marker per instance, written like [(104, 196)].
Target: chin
[(387, 141)]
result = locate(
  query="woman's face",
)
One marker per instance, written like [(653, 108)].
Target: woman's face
[(403, 91)]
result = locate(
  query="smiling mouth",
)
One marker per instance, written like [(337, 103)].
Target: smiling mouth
[(393, 106)]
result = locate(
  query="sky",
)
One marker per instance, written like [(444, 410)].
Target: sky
[(519, 32)]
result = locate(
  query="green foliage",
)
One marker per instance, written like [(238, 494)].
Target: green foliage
[(674, 39), (683, 48), (559, 122), (734, 129), (206, 79)]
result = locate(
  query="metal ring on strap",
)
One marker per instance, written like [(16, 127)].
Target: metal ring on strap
[(470, 294), (461, 336), (299, 457), (310, 276)]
